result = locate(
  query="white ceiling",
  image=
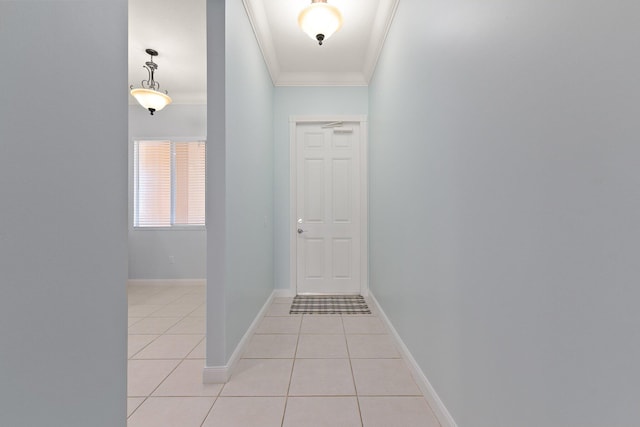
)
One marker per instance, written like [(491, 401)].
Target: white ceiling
[(177, 30)]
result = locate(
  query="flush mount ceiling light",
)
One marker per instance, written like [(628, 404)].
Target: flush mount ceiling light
[(149, 95), (320, 20)]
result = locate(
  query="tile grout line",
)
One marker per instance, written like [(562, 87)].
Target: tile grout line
[(131, 358), (204, 420), (353, 377), (150, 342), (145, 398), (293, 364), (295, 358)]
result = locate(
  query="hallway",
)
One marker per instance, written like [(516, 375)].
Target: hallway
[(296, 370)]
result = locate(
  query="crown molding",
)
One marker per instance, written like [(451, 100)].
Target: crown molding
[(321, 79), (260, 24), (381, 26)]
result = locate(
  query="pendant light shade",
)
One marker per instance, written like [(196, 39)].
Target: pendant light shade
[(320, 20), (149, 95), (151, 99)]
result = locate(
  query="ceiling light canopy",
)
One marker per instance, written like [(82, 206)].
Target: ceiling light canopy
[(320, 20), (149, 95)]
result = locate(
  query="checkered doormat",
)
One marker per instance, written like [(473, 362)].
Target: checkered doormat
[(329, 304)]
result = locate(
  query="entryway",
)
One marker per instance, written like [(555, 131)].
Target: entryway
[(329, 205)]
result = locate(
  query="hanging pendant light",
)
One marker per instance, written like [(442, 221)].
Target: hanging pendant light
[(149, 95), (320, 20)]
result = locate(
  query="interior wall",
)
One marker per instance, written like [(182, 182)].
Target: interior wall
[(216, 183), (504, 200), (63, 239), (240, 179), (301, 101), (249, 168), (165, 254)]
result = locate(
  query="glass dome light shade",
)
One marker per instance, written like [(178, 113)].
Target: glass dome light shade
[(151, 99), (320, 18)]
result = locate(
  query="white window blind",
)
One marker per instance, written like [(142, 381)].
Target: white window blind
[(190, 160), (169, 183)]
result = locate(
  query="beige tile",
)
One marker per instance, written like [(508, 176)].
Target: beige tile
[(175, 310), (170, 347), (133, 299), (317, 377), (135, 343), (133, 403), (322, 412), (191, 289), (246, 412), (322, 325), (383, 377), (200, 311), (142, 310), (174, 289), (363, 325), (322, 346), (197, 290), (279, 325), (200, 351), (190, 299), (143, 376), (153, 325), (171, 412), (280, 310), (186, 380), (271, 346), (371, 346), (283, 300), (142, 297), (162, 298), (188, 325), (259, 377), (143, 289), (396, 412), (133, 320)]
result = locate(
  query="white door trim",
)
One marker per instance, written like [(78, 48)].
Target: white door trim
[(364, 199)]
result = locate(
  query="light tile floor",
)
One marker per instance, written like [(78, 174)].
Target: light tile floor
[(296, 371)]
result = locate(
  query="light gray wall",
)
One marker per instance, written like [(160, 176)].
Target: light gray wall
[(63, 213), (240, 179), (150, 250), (301, 101), (249, 176), (216, 183), (505, 206)]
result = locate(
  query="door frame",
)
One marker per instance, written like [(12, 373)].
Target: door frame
[(364, 195)]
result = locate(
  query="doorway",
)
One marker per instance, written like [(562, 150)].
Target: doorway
[(329, 205)]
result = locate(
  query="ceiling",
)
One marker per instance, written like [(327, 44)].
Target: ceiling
[(177, 30)]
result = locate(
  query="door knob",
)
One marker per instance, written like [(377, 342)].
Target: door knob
[(300, 231)]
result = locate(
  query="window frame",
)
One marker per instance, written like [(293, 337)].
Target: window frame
[(134, 187)]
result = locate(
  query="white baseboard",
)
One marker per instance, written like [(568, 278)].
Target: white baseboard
[(440, 411), (221, 374), (166, 282), (283, 293), (215, 375)]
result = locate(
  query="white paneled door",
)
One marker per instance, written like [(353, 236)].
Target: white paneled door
[(328, 208)]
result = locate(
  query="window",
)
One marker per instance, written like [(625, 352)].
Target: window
[(169, 183)]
